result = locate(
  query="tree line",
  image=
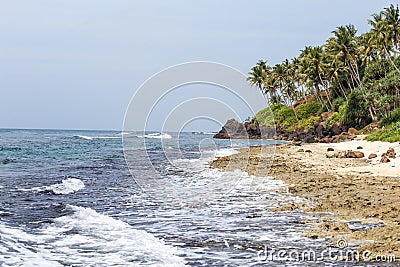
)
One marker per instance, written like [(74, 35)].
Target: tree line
[(360, 72)]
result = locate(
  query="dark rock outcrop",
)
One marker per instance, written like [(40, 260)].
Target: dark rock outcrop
[(317, 134), (236, 130)]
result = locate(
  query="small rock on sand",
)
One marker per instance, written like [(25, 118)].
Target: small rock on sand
[(390, 153), (385, 159)]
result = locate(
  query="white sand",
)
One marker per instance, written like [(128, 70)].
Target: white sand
[(374, 167)]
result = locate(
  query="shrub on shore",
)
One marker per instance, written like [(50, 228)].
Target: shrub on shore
[(391, 133), (306, 110), (286, 116), (309, 122), (308, 115), (394, 116)]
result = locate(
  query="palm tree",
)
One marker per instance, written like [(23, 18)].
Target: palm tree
[(271, 88), (378, 35), (258, 75), (299, 77), (285, 81), (345, 49), (315, 67), (385, 32), (392, 18)]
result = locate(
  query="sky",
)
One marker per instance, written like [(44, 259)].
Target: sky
[(68, 64)]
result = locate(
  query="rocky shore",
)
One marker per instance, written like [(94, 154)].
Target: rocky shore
[(362, 193), (319, 133)]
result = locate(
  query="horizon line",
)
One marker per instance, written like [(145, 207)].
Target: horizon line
[(115, 130)]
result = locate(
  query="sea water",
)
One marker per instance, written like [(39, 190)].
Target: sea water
[(67, 198)]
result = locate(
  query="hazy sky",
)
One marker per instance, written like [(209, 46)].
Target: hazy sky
[(76, 64)]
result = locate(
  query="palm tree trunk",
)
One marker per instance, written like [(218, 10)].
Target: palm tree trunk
[(390, 59)]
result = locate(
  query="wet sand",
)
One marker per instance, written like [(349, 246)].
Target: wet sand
[(363, 194)]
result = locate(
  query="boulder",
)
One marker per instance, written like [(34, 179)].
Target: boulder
[(320, 129), (359, 154), (325, 140), (385, 159), (350, 154), (267, 132), (372, 156), (390, 153), (345, 154), (330, 149), (352, 131), (335, 129), (309, 139), (236, 130)]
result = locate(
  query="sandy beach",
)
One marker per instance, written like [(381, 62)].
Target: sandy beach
[(363, 194)]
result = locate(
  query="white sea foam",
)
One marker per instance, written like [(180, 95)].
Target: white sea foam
[(97, 137), (85, 238), (107, 137), (206, 157), (67, 186), (85, 137), (14, 252), (156, 136), (240, 180), (225, 152)]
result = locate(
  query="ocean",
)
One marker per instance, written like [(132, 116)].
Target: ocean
[(67, 198)]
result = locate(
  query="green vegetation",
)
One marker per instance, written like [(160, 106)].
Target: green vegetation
[(336, 117), (286, 116), (357, 77), (388, 134), (276, 112), (306, 110), (394, 116), (356, 113), (309, 122), (264, 117), (308, 115)]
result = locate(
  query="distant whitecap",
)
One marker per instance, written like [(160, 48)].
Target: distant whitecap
[(156, 136), (67, 186), (84, 137)]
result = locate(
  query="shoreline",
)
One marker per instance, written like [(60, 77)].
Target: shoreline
[(363, 194)]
